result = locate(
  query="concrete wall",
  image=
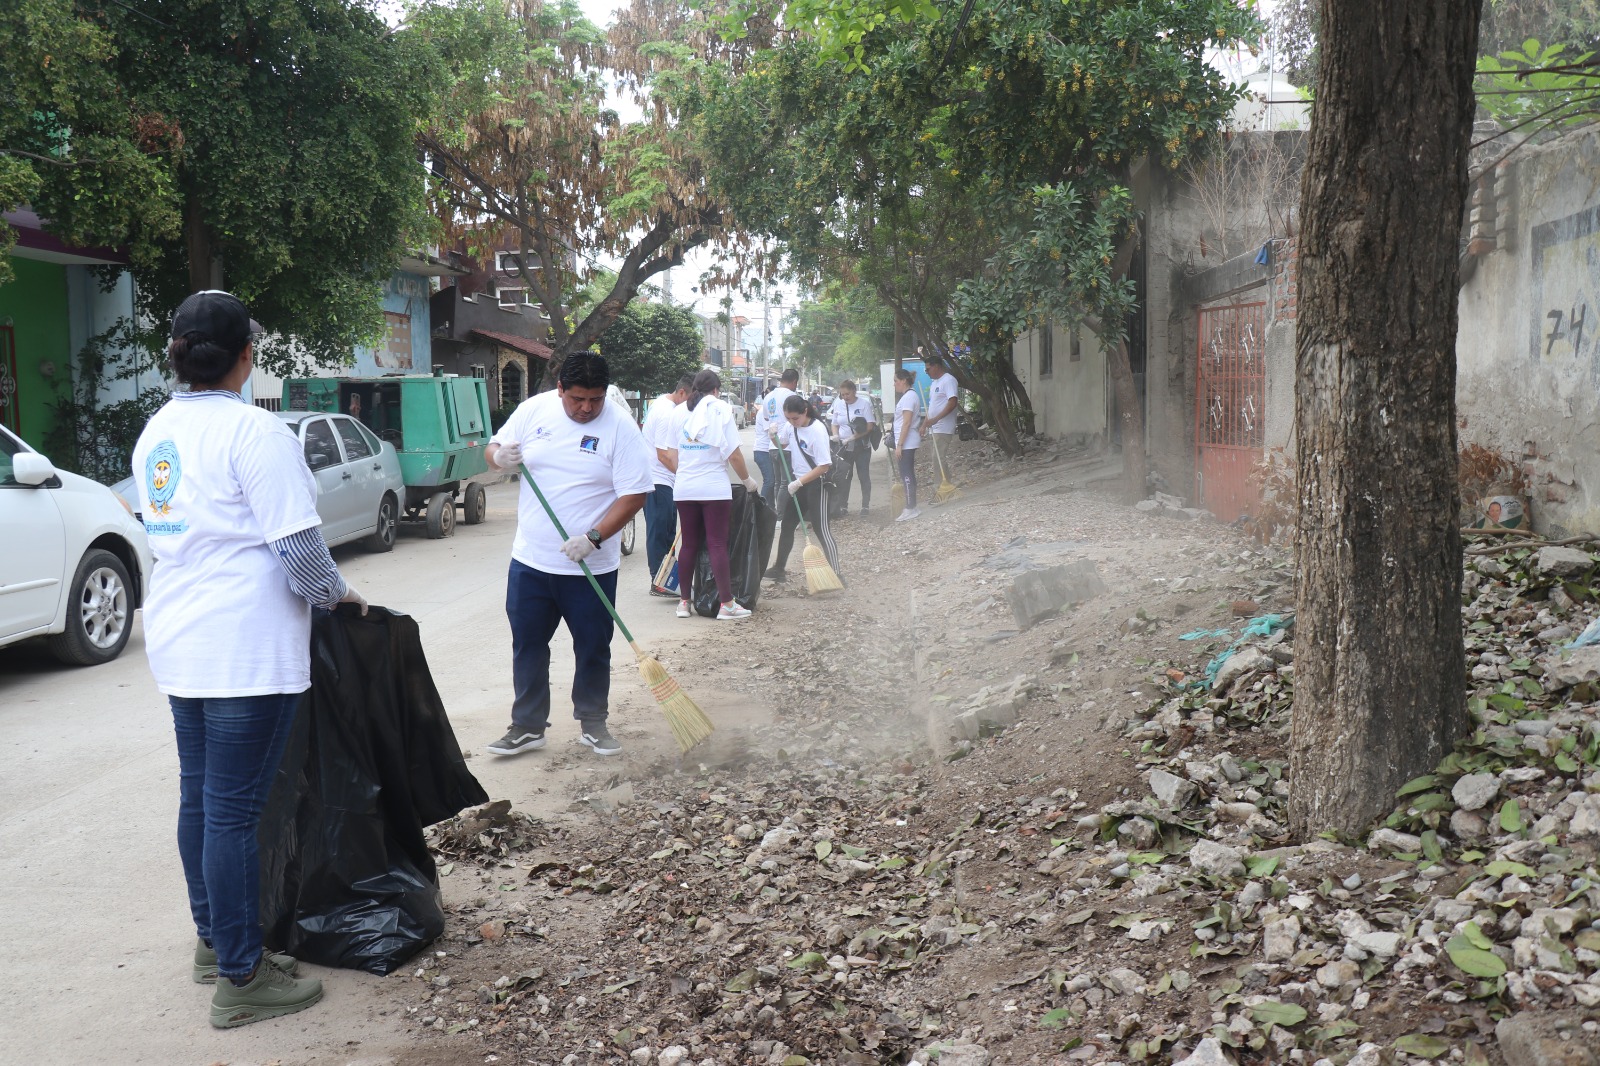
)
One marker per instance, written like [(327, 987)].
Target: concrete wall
[(403, 294), (93, 309), (1070, 401), (1528, 346)]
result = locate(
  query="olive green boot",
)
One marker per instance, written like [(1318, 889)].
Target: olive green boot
[(205, 963), (271, 993)]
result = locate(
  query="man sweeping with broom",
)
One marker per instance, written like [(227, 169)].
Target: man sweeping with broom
[(939, 425), (593, 468)]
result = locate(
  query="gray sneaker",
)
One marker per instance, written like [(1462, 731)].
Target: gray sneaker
[(205, 963), (271, 993), (595, 736), (516, 741)]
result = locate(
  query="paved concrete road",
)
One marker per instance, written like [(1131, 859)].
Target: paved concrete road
[(93, 918)]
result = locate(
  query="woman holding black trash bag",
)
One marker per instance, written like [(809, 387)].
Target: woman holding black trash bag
[(705, 443), (230, 508)]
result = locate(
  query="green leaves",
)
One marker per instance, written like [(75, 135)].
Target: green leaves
[(1423, 1046), (1273, 1012), (1469, 951), (1511, 816)]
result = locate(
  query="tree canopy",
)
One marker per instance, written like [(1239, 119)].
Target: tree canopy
[(72, 142), (527, 151), (650, 345), (293, 166), (915, 162)]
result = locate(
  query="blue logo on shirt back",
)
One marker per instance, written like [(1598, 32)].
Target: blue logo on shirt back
[(162, 472)]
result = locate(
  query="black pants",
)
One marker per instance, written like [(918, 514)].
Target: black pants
[(857, 464), (816, 514)]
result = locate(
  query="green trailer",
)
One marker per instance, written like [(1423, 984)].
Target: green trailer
[(439, 426)]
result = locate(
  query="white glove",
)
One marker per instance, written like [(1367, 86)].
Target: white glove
[(508, 456), (352, 595), (577, 548), (794, 487), (750, 485)]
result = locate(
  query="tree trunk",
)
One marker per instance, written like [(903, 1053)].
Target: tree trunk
[(1135, 465), (1379, 673), (205, 266)]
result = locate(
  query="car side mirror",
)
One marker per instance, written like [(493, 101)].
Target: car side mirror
[(31, 468)]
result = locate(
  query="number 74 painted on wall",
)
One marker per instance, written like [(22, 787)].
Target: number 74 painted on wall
[(1575, 319)]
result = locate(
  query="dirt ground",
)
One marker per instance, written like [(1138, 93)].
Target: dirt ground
[(838, 876), (925, 831)]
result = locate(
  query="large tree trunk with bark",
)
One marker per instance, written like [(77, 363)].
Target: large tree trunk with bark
[(1379, 672), (1130, 414)]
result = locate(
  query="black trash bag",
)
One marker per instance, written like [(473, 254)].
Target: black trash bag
[(346, 876), (751, 527)]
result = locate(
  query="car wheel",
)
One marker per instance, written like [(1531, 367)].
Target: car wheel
[(382, 538), (474, 504), (441, 515), (627, 537), (99, 613)]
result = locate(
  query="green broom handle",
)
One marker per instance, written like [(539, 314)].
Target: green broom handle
[(783, 458), (598, 591)]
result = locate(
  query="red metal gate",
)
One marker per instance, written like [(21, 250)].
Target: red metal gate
[(1230, 407)]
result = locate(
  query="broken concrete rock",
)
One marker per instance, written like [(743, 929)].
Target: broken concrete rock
[(1241, 662), (1209, 1052), (1475, 791), (1572, 667), (1172, 791), (1535, 1039), (1215, 859), (1563, 562), (1038, 594)]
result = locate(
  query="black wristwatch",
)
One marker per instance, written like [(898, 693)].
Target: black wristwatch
[(594, 537)]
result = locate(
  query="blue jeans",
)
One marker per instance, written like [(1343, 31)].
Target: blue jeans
[(228, 752), (537, 603), (769, 477), (660, 525)]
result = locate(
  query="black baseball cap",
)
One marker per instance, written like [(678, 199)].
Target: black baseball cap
[(220, 316)]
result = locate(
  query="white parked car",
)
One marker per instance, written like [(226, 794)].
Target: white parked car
[(359, 484), (75, 562)]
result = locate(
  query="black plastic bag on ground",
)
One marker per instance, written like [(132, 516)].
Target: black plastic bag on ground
[(346, 876), (751, 527)]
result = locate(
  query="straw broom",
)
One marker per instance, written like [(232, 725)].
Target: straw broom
[(666, 575), (947, 488), (897, 488), (689, 723), (819, 575)]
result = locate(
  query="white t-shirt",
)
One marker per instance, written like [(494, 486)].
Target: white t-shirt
[(840, 414), (703, 456), (658, 434), (581, 467), (769, 412), (941, 392), (908, 401), (815, 452), (218, 479)]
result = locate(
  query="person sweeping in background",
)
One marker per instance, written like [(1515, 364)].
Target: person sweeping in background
[(851, 420), (907, 437), (804, 440), (705, 443), (939, 423), (769, 416), (594, 469), (660, 516), (231, 511)]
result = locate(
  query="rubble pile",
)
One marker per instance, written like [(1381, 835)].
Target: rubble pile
[(1072, 846)]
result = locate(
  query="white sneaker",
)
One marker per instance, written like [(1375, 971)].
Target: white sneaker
[(683, 609), (732, 612), (908, 514)]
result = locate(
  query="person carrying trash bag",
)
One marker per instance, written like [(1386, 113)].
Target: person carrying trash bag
[(851, 421), (594, 468), (705, 443), (230, 508)]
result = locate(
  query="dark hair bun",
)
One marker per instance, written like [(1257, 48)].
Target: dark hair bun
[(198, 360)]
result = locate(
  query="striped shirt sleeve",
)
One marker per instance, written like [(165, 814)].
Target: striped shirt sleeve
[(310, 569)]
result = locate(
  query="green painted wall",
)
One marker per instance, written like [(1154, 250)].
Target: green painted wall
[(35, 306)]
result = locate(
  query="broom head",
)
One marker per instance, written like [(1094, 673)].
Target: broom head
[(689, 723), (947, 491), (819, 575)]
